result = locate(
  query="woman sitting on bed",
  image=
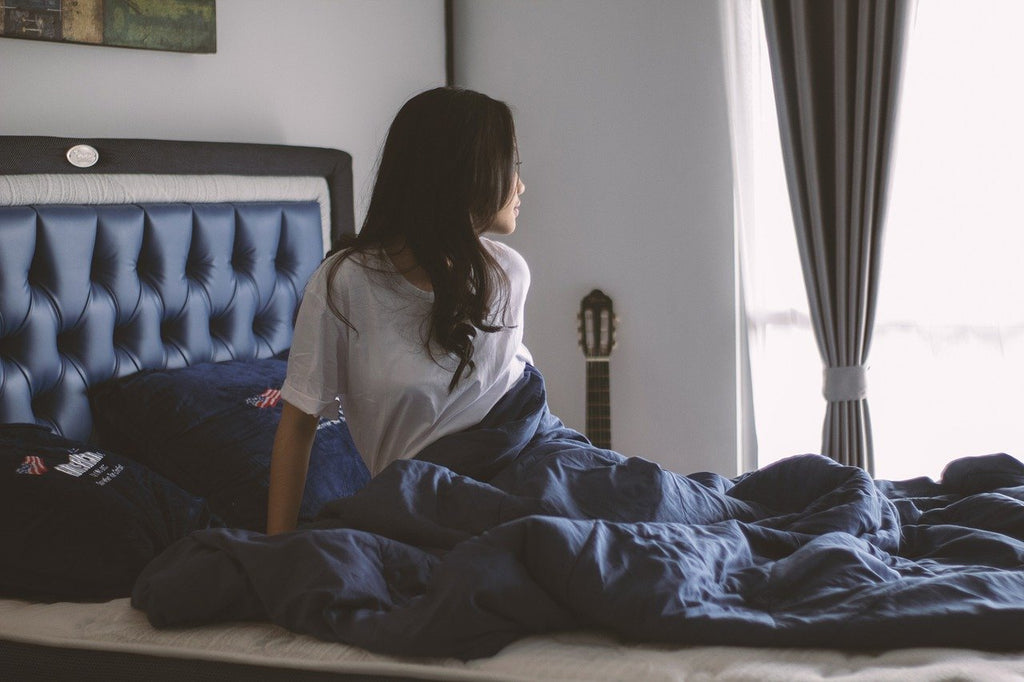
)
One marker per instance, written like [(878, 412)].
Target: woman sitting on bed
[(416, 323)]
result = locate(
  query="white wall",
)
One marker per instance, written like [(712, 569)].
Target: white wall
[(324, 73), (621, 116)]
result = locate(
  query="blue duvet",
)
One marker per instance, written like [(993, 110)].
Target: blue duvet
[(520, 526)]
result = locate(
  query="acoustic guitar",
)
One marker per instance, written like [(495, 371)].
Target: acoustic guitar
[(597, 337)]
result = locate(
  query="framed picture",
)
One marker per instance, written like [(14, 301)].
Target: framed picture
[(176, 25)]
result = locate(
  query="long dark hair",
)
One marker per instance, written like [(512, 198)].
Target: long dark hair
[(447, 168)]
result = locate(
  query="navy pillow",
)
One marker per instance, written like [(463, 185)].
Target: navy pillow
[(80, 523), (210, 429)]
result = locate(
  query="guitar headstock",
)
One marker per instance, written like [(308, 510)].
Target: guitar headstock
[(597, 325)]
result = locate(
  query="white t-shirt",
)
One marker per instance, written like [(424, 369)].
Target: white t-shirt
[(394, 395)]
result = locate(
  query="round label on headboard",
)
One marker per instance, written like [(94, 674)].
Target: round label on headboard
[(83, 156)]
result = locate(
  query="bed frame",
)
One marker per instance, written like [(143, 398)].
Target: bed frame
[(120, 255), (156, 255)]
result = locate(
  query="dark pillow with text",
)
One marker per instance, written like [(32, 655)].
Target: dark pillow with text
[(210, 429), (80, 523)]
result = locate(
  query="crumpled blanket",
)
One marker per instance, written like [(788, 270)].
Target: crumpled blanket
[(520, 526)]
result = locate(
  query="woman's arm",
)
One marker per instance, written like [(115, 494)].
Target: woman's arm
[(289, 463)]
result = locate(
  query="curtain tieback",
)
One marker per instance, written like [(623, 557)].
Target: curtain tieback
[(845, 383)]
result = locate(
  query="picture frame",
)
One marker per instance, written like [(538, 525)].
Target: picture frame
[(172, 25)]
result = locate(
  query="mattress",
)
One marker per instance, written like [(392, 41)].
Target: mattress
[(122, 633)]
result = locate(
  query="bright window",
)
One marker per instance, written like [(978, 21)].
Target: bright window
[(946, 375)]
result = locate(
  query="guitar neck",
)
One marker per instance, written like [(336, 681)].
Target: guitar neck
[(599, 406)]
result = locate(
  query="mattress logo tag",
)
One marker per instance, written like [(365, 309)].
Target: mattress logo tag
[(79, 463)]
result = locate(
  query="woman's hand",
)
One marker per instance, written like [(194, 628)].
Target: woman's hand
[(289, 463)]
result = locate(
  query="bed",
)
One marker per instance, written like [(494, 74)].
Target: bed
[(147, 292)]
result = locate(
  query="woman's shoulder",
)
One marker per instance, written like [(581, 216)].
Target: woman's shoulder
[(512, 263), (342, 270), (509, 258)]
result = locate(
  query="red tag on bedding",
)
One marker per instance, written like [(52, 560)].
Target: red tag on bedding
[(33, 466), (269, 398)]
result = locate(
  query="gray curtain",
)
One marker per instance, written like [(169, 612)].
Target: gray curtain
[(836, 67)]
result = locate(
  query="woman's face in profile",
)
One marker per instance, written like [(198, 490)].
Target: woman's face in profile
[(504, 221)]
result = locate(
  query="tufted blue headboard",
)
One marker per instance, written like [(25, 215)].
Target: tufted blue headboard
[(106, 270)]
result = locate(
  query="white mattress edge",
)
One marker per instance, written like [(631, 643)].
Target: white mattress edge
[(116, 627), (415, 670), (25, 630)]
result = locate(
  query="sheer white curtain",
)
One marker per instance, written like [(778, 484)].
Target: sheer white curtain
[(784, 366), (948, 359), (946, 374)]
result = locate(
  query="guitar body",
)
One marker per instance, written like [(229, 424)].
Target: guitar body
[(597, 337)]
